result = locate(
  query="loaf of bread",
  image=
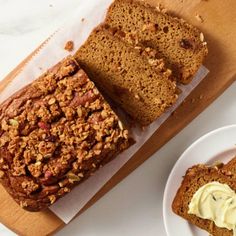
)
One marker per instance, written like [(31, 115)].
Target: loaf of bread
[(196, 177), (180, 44), (144, 91), (55, 133)]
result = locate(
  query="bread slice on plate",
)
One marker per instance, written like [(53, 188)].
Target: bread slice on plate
[(195, 178), (180, 44), (142, 90)]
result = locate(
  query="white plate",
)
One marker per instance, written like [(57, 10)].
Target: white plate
[(216, 145)]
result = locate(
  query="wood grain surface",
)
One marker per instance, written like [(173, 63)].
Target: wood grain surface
[(219, 27)]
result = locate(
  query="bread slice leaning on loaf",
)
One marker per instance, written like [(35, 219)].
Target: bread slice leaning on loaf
[(196, 177), (142, 90), (180, 44)]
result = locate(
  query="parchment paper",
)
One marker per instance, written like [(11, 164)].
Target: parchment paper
[(88, 15)]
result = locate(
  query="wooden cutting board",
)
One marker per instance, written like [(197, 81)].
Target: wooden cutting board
[(219, 27)]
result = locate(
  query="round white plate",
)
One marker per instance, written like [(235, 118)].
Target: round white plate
[(218, 145)]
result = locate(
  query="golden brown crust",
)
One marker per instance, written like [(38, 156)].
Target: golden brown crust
[(55, 133)]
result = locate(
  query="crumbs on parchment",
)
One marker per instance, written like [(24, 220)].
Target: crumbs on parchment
[(69, 46)]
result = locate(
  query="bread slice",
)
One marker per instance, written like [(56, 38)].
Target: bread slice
[(180, 44), (196, 177), (119, 70)]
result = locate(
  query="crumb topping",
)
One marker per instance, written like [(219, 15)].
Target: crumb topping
[(60, 128)]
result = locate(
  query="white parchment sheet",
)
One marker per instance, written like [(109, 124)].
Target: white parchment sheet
[(89, 14)]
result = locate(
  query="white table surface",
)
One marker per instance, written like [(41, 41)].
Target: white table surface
[(134, 207)]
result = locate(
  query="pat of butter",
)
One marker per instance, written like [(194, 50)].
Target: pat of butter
[(216, 202)]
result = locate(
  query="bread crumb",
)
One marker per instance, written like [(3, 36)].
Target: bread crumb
[(23, 204), (69, 46), (218, 164), (137, 96), (120, 125), (81, 175), (199, 18), (66, 190), (174, 113), (178, 91), (52, 198), (51, 101), (202, 37), (161, 8)]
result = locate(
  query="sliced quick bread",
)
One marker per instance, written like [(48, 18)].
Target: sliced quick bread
[(196, 177), (180, 44), (142, 90)]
